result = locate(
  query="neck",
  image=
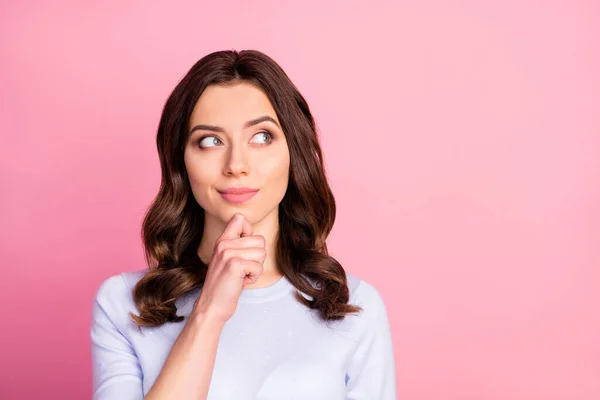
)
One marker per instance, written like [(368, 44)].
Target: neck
[(267, 227)]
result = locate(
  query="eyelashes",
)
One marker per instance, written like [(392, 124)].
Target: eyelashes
[(203, 138), (203, 143), (268, 134)]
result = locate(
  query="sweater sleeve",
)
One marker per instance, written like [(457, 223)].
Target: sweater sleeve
[(116, 371), (371, 373)]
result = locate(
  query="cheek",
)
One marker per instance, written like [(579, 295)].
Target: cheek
[(199, 169), (200, 178), (275, 167)]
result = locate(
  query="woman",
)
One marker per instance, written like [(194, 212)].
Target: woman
[(241, 299)]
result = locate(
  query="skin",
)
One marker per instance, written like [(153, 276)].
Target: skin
[(239, 239), (238, 156)]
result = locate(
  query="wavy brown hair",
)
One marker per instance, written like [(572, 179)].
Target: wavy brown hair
[(173, 225)]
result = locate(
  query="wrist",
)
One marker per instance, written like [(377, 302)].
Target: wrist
[(205, 318)]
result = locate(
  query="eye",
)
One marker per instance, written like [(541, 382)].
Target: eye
[(265, 136), (209, 141)]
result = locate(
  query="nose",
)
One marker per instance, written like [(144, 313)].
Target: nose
[(236, 163)]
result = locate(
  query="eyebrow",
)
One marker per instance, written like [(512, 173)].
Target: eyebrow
[(248, 124)]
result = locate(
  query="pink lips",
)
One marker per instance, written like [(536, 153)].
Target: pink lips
[(238, 195)]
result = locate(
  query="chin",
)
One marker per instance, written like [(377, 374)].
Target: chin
[(253, 215), (226, 213)]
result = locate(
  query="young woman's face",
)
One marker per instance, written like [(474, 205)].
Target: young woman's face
[(236, 142)]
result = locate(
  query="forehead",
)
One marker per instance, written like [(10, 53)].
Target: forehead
[(232, 105)]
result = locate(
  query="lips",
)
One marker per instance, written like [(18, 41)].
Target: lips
[(238, 195), (240, 190)]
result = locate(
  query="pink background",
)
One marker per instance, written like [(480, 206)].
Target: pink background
[(462, 140)]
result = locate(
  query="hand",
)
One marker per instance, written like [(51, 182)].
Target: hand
[(237, 261)]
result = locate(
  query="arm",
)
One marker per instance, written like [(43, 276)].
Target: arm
[(371, 373), (117, 374), (116, 371), (188, 369)]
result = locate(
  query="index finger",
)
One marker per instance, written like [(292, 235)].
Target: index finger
[(237, 227)]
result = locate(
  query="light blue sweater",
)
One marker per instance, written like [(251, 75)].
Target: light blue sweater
[(272, 348)]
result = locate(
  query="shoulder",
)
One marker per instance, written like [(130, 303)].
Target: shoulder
[(362, 294), (115, 294), (366, 296), (119, 286)]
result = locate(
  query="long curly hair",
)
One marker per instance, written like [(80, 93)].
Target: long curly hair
[(173, 225)]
